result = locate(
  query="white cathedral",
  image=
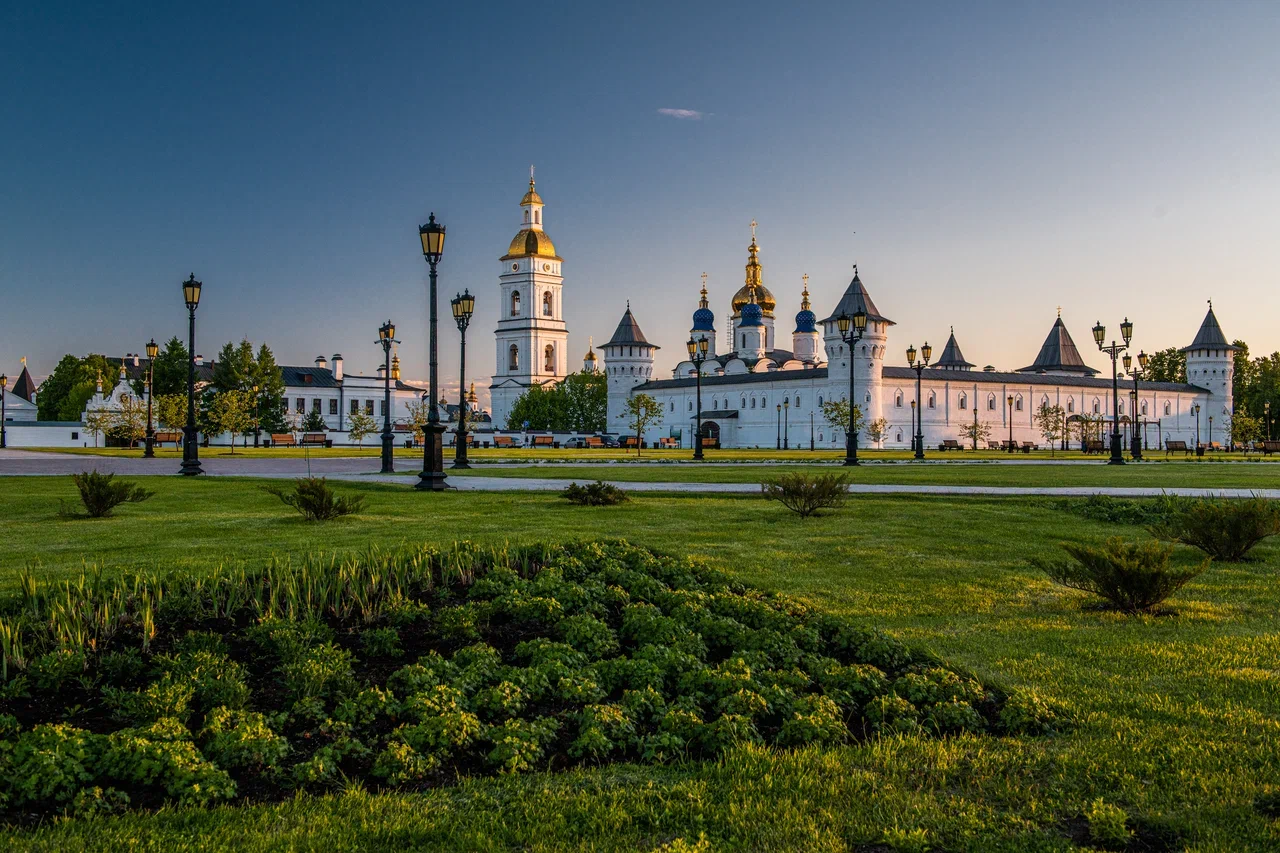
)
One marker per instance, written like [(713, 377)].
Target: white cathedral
[(756, 394)]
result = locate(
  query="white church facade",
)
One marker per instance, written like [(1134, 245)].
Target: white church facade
[(756, 393)]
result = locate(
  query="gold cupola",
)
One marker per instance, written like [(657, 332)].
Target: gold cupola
[(754, 282), (531, 240)]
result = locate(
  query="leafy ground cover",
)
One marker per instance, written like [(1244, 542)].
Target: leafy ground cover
[(1173, 719)]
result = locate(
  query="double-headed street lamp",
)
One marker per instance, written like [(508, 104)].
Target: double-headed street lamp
[(432, 476), (190, 450), (4, 383), (786, 424), (463, 305), (387, 337), (1114, 350), (152, 350), (1196, 409), (926, 353), (851, 331), (698, 355), (1135, 442)]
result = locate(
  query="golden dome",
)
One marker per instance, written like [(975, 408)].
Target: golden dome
[(755, 278), (530, 242), (531, 197)]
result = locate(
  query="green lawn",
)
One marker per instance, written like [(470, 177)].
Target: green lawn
[(1175, 718)]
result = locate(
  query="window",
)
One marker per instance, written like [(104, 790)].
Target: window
[(964, 402), (1168, 408), (744, 340), (673, 405), (1095, 407), (549, 359), (932, 400), (691, 405), (1120, 408), (991, 402), (819, 400), (1017, 404), (546, 304), (1071, 405), (513, 358), (1144, 408), (315, 404), (368, 407), (537, 217), (355, 406), (715, 404), (786, 401), (744, 403), (301, 405), (333, 405), (515, 303), (797, 401), (753, 402), (763, 402), (897, 400)]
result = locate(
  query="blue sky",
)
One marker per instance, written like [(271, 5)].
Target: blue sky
[(995, 161)]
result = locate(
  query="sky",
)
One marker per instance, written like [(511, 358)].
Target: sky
[(982, 163)]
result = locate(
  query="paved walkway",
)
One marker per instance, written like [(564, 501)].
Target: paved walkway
[(28, 463)]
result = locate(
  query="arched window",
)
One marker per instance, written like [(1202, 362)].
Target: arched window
[(1096, 406), (819, 401), (546, 304), (897, 400), (797, 401), (633, 370), (549, 358), (786, 401), (753, 402), (691, 405), (744, 340), (763, 402), (526, 217), (744, 403), (515, 303), (537, 217), (1120, 408), (1168, 408), (964, 402), (1071, 405), (991, 402), (673, 405), (1144, 408), (1017, 403), (513, 358), (932, 400)]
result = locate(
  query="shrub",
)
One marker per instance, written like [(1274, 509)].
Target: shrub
[(598, 493), (1107, 824), (1224, 529), (381, 643), (805, 494), (50, 671), (320, 673), (1134, 576), (589, 635), (163, 757), (312, 497), (242, 740), (48, 764), (170, 697), (399, 763), (815, 719), (518, 744), (101, 493), (1027, 713)]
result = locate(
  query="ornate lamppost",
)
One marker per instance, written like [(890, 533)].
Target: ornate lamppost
[(152, 350), (1266, 411), (190, 449), (1114, 350), (257, 415), (1196, 410), (786, 424), (463, 305), (926, 353), (851, 331), (778, 440), (1010, 401), (432, 476), (4, 383), (913, 425), (1135, 443), (698, 355), (387, 337)]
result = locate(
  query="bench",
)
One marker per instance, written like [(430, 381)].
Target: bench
[(315, 439), (544, 441), (668, 442), (1028, 446), (993, 445), (1094, 445), (283, 439), (593, 441), (628, 441), (711, 442), (1213, 445), (162, 437), (1175, 447), (1269, 447), (503, 441), (949, 444)]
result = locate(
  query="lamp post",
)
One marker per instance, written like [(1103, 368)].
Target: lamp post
[(1266, 411), (257, 415), (778, 445), (1010, 423), (1114, 350), (387, 337), (152, 350), (698, 355), (4, 383), (786, 424), (463, 305), (190, 450), (913, 425), (851, 331), (1199, 449), (432, 476), (811, 445), (1211, 430), (926, 353), (1135, 444)]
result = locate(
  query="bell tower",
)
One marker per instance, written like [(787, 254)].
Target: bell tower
[(531, 338)]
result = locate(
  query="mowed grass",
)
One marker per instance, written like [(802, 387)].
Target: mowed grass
[(1175, 718)]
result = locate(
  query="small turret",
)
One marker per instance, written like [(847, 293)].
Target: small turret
[(589, 360), (806, 342), (704, 322), (1211, 363), (628, 362)]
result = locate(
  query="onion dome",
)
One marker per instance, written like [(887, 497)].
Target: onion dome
[(752, 313), (704, 319), (806, 320), (591, 352), (531, 197), (755, 280), (530, 242)]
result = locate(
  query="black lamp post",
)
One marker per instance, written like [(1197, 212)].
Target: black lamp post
[(926, 353), (1196, 410), (1010, 423), (1210, 430), (257, 415), (190, 449), (1100, 335), (778, 440), (698, 355), (913, 425), (786, 424), (851, 331), (432, 476), (1135, 443), (464, 305), (1266, 411), (387, 337), (4, 383), (152, 350)]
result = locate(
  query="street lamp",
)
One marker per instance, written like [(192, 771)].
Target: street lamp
[(698, 355), (257, 415), (1010, 423), (913, 425), (1266, 411), (1199, 449), (1135, 442), (1114, 350), (786, 424), (432, 476), (387, 337), (152, 350), (190, 450), (4, 383), (778, 445), (851, 331), (926, 353), (463, 305)]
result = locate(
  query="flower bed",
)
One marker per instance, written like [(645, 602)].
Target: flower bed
[(409, 669)]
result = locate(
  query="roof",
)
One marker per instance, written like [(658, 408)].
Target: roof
[(1059, 353), (24, 387), (737, 379), (628, 332), (951, 355), (857, 299), (529, 241), (320, 377), (1210, 335)]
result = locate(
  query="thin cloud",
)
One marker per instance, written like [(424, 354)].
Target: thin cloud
[(687, 115)]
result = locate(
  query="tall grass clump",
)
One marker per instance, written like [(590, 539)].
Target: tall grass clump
[(313, 497), (805, 494), (1224, 529), (1134, 576), (101, 493), (598, 493)]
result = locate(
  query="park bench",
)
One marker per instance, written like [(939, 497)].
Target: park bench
[(949, 444), (711, 442), (544, 441), (1213, 445), (993, 445), (1028, 446), (1175, 447), (1008, 446), (1269, 447), (503, 441), (162, 437), (283, 439), (668, 442), (1094, 445), (628, 441), (315, 439), (593, 441)]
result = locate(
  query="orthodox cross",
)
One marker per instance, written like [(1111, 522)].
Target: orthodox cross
[(753, 229)]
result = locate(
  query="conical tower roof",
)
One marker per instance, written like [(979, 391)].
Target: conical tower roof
[(951, 356), (1059, 354), (857, 299), (1210, 335), (24, 387), (628, 332)]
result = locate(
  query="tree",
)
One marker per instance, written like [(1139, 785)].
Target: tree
[(1244, 429), (877, 430), (314, 422), (233, 370), (96, 423), (543, 407), (419, 414), (128, 424), (269, 378), (641, 411), (1051, 421), (71, 385), (976, 431), (170, 369), (231, 411), (170, 410), (586, 401), (1167, 365), (836, 413), (360, 425)]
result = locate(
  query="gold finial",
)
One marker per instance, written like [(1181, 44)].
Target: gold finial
[(804, 294), (704, 284), (1059, 312), (753, 230)]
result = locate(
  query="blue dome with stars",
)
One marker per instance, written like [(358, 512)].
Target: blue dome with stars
[(704, 320), (806, 321), (752, 315)]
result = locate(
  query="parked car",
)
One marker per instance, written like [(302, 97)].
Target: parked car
[(576, 442)]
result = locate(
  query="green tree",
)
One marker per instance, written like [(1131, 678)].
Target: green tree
[(313, 421), (642, 410), (269, 378), (128, 424), (170, 410), (1244, 429), (96, 423), (170, 369), (234, 368), (586, 401), (231, 412), (836, 414), (1167, 365), (360, 425), (877, 430), (73, 383), (419, 412), (1051, 421), (976, 431), (541, 406)]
